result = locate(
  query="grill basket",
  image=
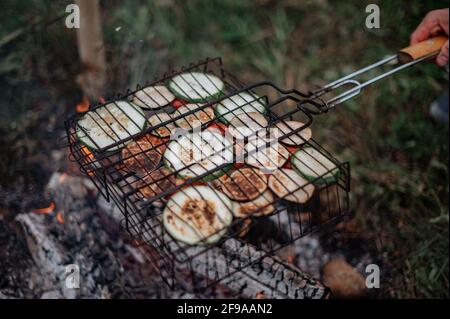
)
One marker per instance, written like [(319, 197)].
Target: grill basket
[(124, 179)]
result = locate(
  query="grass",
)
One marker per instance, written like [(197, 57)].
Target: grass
[(399, 156)]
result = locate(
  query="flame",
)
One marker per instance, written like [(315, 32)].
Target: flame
[(102, 99), (290, 259), (59, 217), (259, 295), (50, 210), (88, 157), (83, 106), (46, 210)]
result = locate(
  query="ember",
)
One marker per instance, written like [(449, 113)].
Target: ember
[(51, 211), (46, 210), (88, 158), (83, 106)]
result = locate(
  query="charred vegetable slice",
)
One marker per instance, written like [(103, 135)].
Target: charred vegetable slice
[(143, 155), (260, 206), (157, 182), (244, 184), (197, 215)]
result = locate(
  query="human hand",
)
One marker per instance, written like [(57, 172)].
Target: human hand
[(435, 22)]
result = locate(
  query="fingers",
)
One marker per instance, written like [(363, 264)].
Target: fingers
[(423, 31), (434, 22), (442, 58)]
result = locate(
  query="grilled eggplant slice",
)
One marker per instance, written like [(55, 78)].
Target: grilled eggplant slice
[(289, 185), (198, 215), (244, 184)]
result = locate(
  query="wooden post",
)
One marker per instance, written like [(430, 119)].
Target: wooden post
[(91, 49)]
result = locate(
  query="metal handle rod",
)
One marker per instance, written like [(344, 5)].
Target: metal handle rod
[(357, 89), (357, 86), (356, 73)]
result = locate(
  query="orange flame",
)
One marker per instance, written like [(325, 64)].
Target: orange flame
[(259, 295), (59, 217), (46, 210), (88, 157), (290, 259), (83, 106), (50, 210)]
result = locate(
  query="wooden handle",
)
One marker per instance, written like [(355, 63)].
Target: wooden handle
[(421, 49)]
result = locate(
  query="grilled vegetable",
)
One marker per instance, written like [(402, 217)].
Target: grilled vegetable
[(157, 182), (195, 154), (261, 206), (196, 119), (244, 102), (247, 124), (153, 97), (288, 184), (162, 131), (244, 184), (315, 166), (197, 215), (109, 124), (143, 156), (298, 138), (196, 87), (265, 154)]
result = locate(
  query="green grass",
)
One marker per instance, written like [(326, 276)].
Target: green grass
[(399, 156)]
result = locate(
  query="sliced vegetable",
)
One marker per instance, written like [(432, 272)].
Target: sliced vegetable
[(153, 97), (261, 206), (157, 182), (196, 87), (196, 119), (266, 154), (244, 184), (315, 166), (198, 153), (288, 184), (109, 124), (197, 215), (296, 139), (143, 156), (244, 102), (162, 131), (247, 124)]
